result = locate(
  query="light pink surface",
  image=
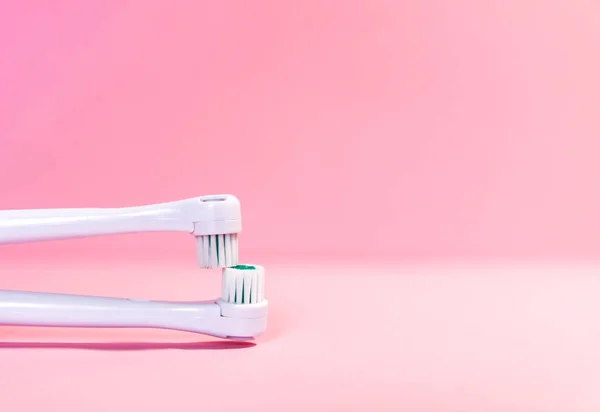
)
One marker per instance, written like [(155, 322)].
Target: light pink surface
[(402, 128), (341, 337)]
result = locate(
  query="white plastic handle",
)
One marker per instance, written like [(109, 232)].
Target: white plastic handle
[(213, 318), (54, 309), (217, 214)]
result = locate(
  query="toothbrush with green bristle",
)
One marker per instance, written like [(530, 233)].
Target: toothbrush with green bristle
[(240, 313)]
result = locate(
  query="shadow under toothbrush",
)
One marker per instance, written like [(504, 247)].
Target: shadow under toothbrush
[(130, 346)]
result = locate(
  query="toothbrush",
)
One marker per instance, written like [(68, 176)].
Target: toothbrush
[(239, 314), (214, 220)]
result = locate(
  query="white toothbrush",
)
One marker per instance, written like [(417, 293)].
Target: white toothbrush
[(240, 313), (214, 220)]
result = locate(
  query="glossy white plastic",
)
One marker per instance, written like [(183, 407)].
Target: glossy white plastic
[(214, 220), (235, 315), (215, 318)]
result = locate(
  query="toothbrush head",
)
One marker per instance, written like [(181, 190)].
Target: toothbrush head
[(243, 285), (217, 222), (242, 302)]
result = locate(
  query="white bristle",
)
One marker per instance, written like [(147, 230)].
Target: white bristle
[(243, 284), (217, 251)]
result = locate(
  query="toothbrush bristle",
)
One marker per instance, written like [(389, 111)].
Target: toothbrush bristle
[(243, 284), (217, 251)]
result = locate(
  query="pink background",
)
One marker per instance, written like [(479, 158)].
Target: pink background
[(380, 130), (397, 128)]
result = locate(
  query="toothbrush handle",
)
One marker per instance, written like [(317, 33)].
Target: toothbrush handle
[(20, 226), (53, 309)]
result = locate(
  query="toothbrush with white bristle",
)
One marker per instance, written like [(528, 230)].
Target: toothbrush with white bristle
[(240, 313), (214, 220)]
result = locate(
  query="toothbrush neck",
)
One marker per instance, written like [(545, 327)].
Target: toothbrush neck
[(19, 226)]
